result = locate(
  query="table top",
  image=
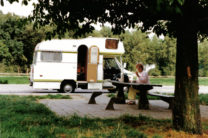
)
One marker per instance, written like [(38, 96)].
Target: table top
[(138, 86), (133, 84)]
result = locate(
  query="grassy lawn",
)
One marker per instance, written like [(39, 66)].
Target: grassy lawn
[(203, 98), (49, 96), (23, 117), (171, 80), (14, 80), (203, 81), (153, 80), (163, 80)]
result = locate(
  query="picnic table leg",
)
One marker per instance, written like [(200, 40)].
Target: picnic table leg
[(110, 104), (93, 96), (143, 102), (120, 96)]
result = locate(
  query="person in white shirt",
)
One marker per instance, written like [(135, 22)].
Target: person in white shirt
[(142, 77)]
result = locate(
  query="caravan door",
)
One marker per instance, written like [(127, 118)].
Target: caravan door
[(82, 61), (93, 64)]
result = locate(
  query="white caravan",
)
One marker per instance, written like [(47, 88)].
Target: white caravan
[(71, 63)]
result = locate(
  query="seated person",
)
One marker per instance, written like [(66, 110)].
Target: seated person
[(143, 78), (80, 72)]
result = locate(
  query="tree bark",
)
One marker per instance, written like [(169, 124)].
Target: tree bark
[(186, 111)]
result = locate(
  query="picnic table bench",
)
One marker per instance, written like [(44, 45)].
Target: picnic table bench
[(167, 98)]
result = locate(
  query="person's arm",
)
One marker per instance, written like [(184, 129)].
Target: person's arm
[(137, 74)]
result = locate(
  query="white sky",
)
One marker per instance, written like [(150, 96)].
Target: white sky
[(17, 8)]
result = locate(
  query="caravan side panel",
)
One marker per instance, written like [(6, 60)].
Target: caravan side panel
[(51, 74)]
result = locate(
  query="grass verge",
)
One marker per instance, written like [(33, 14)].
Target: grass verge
[(203, 98), (23, 117), (171, 81), (14, 80), (50, 96), (162, 80), (153, 80)]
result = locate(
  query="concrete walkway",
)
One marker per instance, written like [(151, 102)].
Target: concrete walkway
[(22, 89), (79, 105)]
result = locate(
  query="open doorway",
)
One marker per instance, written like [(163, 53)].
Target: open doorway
[(82, 60)]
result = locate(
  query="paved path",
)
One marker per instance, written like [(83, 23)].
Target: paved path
[(79, 105), (170, 89), (20, 89)]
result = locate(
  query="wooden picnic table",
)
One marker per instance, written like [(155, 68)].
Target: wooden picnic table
[(143, 102)]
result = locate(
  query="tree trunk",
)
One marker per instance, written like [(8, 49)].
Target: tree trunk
[(186, 111)]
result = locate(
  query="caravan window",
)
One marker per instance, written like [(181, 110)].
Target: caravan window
[(111, 44), (51, 56), (110, 63)]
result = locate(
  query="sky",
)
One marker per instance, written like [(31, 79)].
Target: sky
[(17, 8), (24, 11)]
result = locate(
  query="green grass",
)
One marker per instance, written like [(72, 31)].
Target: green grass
[(14, 80), (203, 98), (153, 80), (50, 96), (171, 80), (23, 117), (203, 81), (163, 80)]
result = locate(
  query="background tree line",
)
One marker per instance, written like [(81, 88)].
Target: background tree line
[(18, 40)]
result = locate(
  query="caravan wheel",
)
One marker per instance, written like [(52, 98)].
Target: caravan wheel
[(67, 88)]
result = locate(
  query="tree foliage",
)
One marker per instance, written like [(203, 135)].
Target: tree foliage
[(203, 58), (10, 31), (17, 41)]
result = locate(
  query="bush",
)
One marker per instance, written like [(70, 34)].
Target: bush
[(203, 98), (3, 81), (154, 72)]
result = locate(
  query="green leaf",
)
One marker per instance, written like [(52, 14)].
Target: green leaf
[(178, 10), (171, 2), (181, 2)]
